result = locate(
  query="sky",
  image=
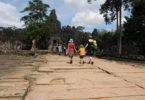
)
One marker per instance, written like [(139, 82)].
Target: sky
[(69, 12)]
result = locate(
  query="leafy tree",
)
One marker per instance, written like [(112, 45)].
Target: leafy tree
[(107, 42), (112, 10), (37, 12), (76, 33), (135, 26), (37, 22)]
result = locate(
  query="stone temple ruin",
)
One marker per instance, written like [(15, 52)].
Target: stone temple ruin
[(7, 46), (54, 41), (9, 42), (55, 37)]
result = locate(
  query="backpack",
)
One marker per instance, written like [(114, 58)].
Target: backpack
[(95, 44)]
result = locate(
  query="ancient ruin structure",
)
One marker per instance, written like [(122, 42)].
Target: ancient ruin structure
[(54, 41), (55, 37)]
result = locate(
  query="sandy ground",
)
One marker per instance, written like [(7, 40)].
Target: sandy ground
[(51, 77)]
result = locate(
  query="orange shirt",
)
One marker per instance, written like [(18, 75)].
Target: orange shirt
[(82, 51), (71, 46)]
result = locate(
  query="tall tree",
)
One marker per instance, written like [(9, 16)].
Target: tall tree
[(135, 26), (112, 10), (36, 21), (37, 12)]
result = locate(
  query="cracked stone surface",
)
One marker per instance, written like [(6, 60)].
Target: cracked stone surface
[(14, 71), (56, 79)]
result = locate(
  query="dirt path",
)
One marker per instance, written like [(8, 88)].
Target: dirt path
[(105, 80)]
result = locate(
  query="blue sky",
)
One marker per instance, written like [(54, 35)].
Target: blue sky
[(69, 12)]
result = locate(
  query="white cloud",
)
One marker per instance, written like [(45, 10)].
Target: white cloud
[(86, 14), (80, 5), (76, 4), (87, 19), (123, 20), (9, 15)]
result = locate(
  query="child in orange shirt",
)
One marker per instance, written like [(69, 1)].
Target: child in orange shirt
[(82, 53)]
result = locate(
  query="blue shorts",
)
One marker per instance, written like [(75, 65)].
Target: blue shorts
[(81, 56)]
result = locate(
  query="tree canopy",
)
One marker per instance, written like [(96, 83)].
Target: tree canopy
[(135, 26), (37, 12), (38, 23)]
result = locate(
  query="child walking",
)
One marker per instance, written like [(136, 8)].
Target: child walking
[(82, 54), (71, 48)]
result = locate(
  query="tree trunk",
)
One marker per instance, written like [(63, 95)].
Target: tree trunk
[(117, 28), (117, 21), (120, 30)]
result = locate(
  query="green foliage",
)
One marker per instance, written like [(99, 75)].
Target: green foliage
[(111, 8), (76, 33), (107, 42), (135, 26), (11, 34), (38, 24), (36, 12), (38, 31)]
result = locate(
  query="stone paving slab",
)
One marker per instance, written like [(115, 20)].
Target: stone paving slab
[(12, 80), (61, 92), (126, 72), (80, 70), (130, 70), (50, 65), (13, 72), (83, 80), (13, 83), (113, 64), (117, 98), (10, 99), (20, 74), (126, 98), (136, 78), (104, 80), (123, 69), (133, 75), (64, 64), (47, 69), (13, 88)]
